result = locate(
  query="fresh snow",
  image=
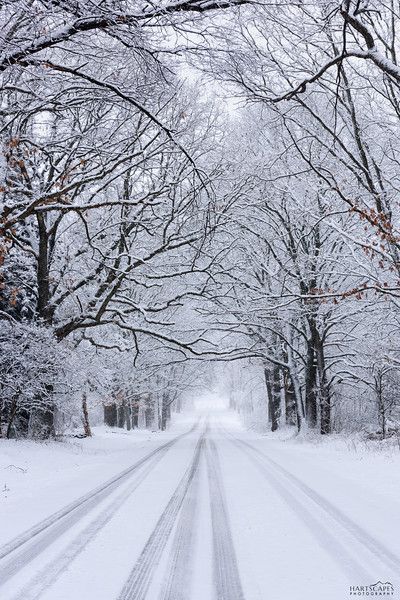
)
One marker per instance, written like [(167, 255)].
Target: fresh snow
[(288, 519)]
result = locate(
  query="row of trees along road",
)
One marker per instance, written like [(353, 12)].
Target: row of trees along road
[(144, 226)]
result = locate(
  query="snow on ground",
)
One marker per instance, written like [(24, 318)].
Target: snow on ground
[(332, 516), (255, 517), (39, 478)]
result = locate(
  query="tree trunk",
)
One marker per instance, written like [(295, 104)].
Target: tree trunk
[(11, 417), (110, 414), (267, 376), (149, 412), (290, 400), (381, 404), (165, 410), (85, 417), (169, 412), (276, 398), (325, 396), (121, 415), (128, 420), (135, 412), (43, 281), (311, 383), (300, 409), (383, 423)]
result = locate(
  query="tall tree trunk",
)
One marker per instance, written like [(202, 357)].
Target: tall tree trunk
[(311, 382), (121, 415), (165, 410), (290, 400), (110, 414), (149, 412), (11, 416), (85, 416), (381, 404), (276, 398), (325, 395), (135, 411), (267, 376), (383, 423), (128, 412), (157, 411), (300, 409), (43, 420), (43, 282)]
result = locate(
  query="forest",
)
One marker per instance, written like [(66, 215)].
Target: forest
[(199, 194)]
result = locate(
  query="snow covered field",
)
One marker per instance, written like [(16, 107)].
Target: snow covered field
[(218, 512)]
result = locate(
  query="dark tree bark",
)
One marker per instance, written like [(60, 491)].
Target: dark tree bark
[(169, 411), (110, 414), (135, 412), (165, 410), (276, 398), (11, 417), (290, 401), (382, 416), (43, 281), (267, 376), (311, 383), (149, 412), (325, 393), (121, 415), (85, 417), (128, 420)]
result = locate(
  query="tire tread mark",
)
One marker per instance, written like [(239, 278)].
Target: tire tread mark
[(320, 531), (178, 579), (226, 573), (138, 582), (55, 568), (55, 525), (363, 537)]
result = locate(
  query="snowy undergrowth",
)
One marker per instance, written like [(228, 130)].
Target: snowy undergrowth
[(354, 443), (357, 443)]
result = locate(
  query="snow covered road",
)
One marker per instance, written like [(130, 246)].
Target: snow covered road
[(217, 513)]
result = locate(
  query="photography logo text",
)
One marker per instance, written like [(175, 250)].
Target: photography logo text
[(379, 588)]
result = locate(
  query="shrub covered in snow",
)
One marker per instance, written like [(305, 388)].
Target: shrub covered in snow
[(32, 378)]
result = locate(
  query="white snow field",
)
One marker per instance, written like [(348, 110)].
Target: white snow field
[(205, 511)]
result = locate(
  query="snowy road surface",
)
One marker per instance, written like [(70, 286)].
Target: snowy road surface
[(212, 512)]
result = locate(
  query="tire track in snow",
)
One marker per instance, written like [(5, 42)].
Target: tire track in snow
[(17, 553), (54, 569), (226, 573), (138, 582), (326, 538), (178, 579)]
